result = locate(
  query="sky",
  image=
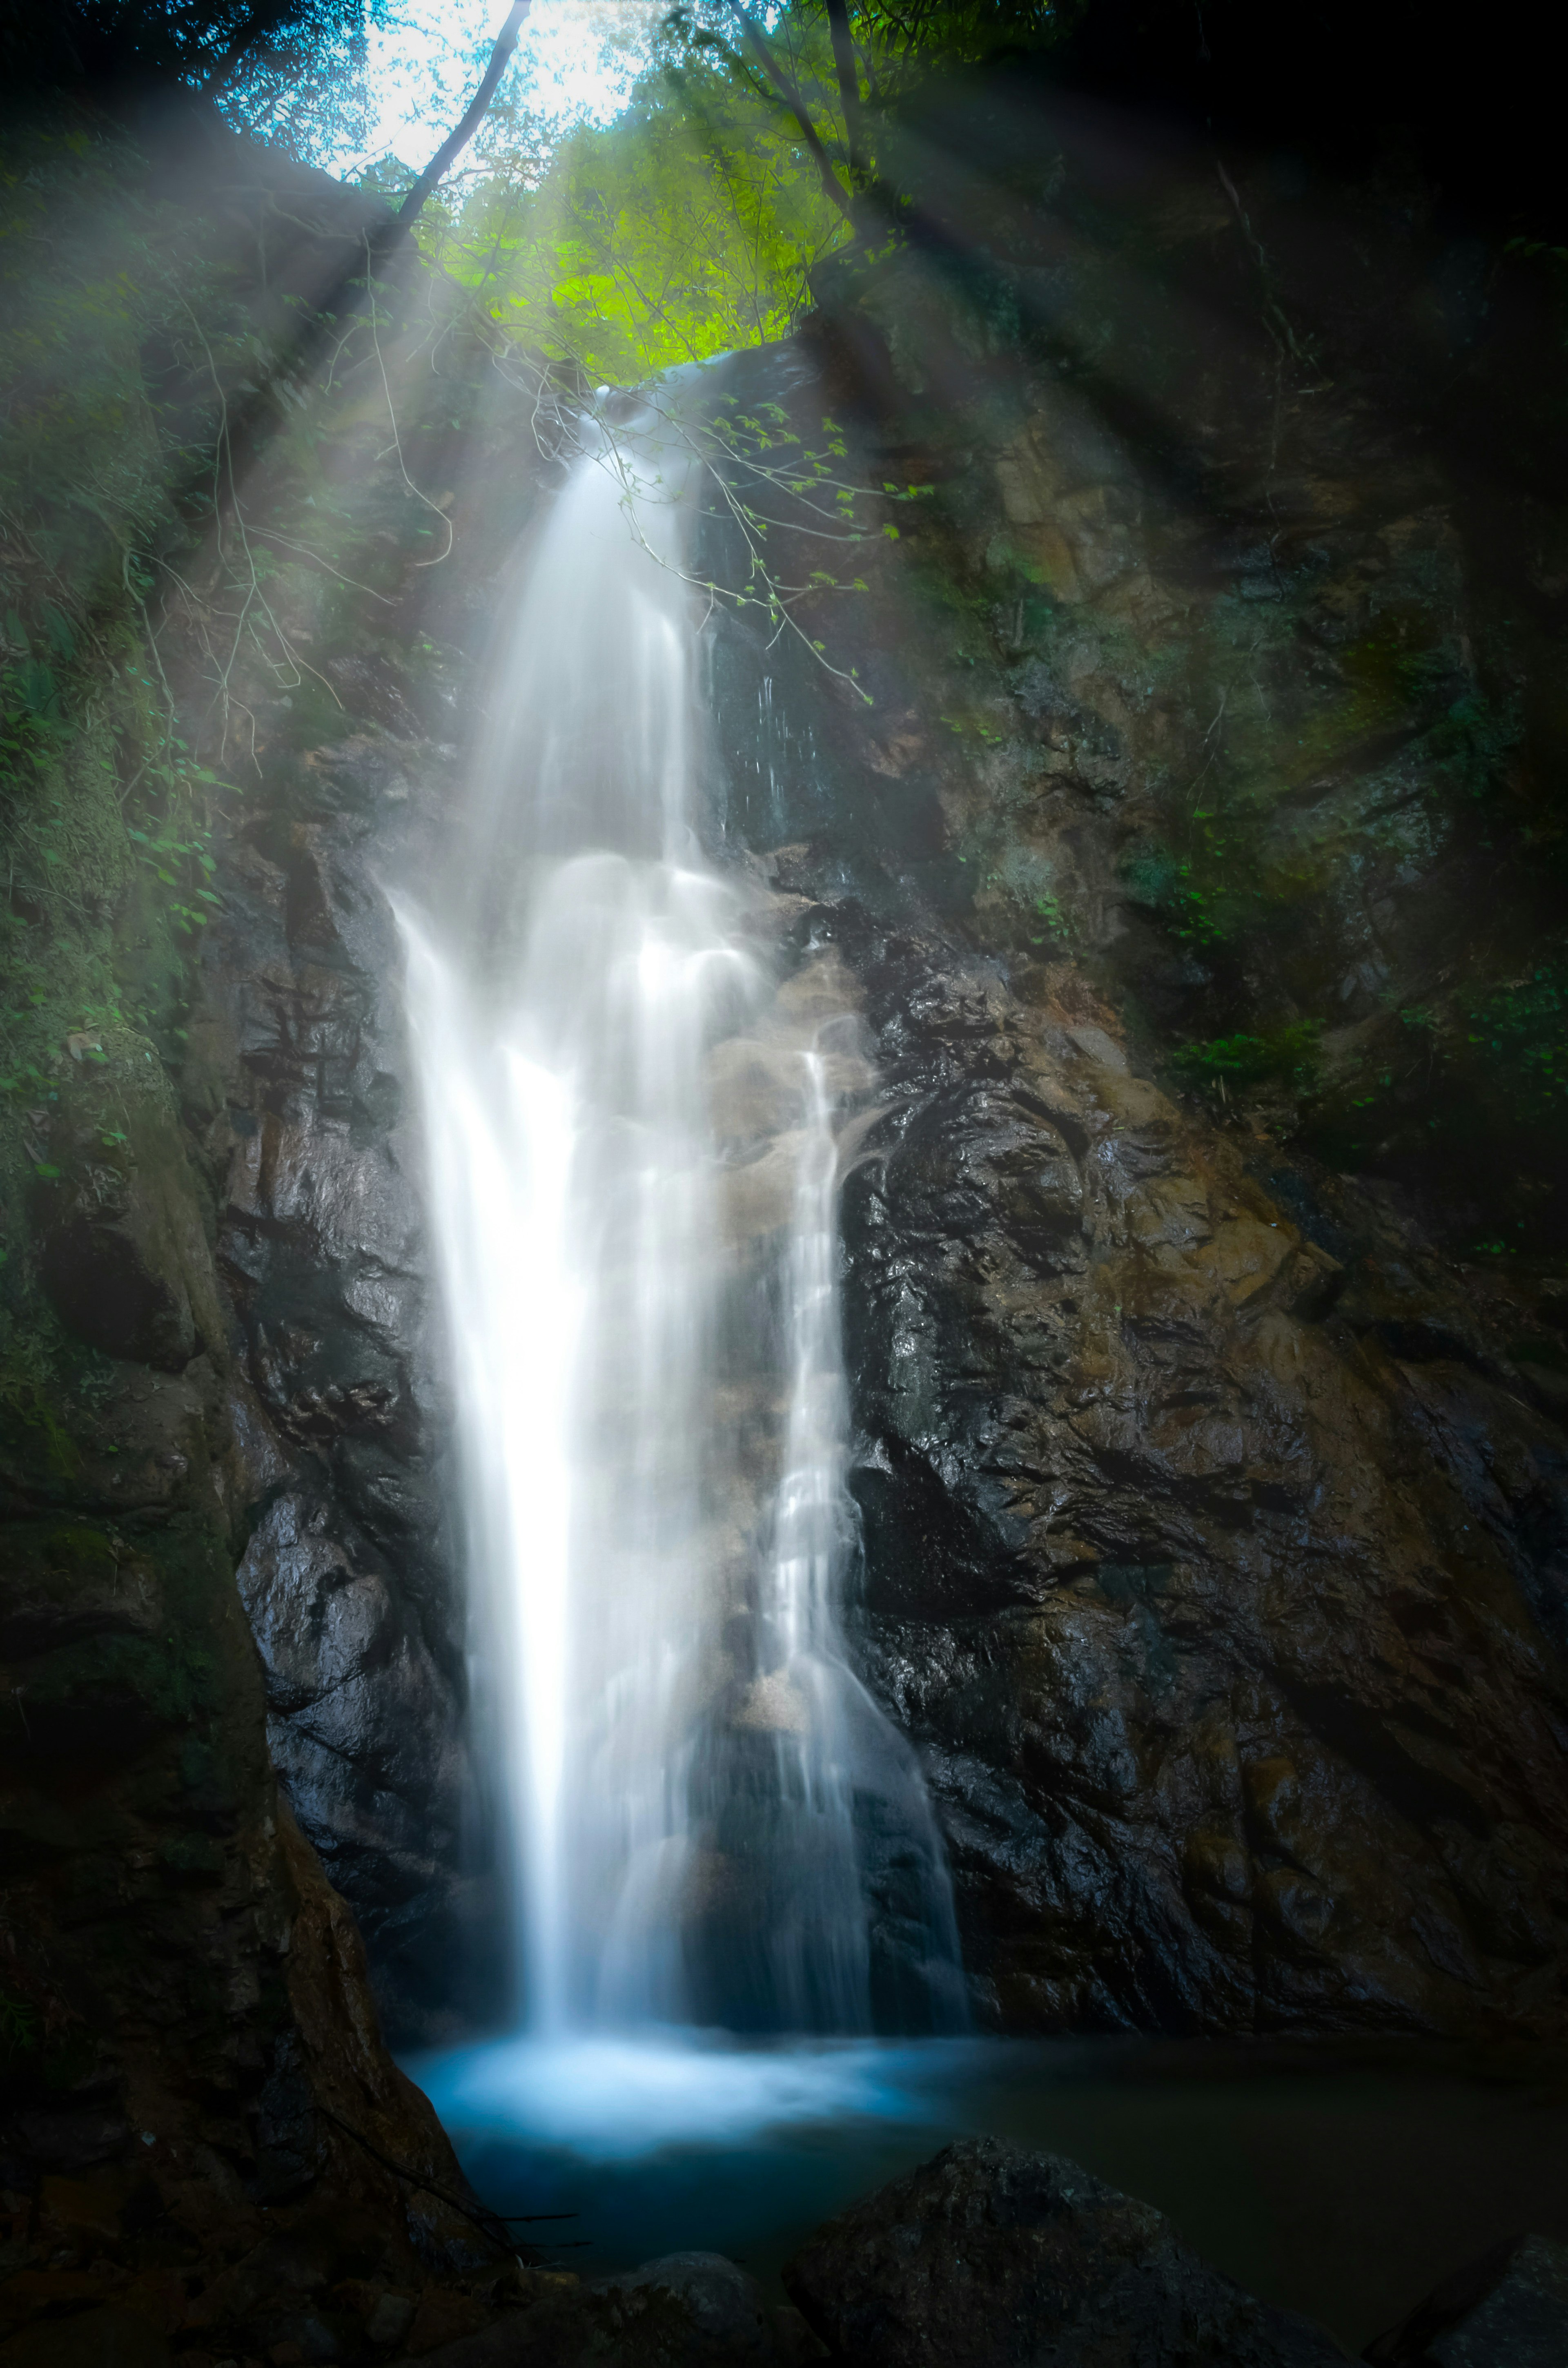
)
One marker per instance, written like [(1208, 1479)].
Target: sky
[(576, 58)]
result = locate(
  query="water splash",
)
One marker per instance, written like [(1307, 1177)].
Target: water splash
[(613, 2098), (632, 1182)]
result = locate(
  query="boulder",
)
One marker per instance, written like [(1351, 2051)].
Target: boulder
[(685, 2310), (990, 2257), (1510, 2309), (730, 2318), (108, 2338)]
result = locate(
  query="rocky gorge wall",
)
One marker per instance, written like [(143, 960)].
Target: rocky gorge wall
[(1211, 1494), (300, 1096), (349, 1574), (1212, 1479), (202, 2133), (1210, 1472), (200, 2127)]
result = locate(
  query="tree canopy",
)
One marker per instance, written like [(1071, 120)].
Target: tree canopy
[(761, 139), (753, 148), (287, 70), (694, 222)]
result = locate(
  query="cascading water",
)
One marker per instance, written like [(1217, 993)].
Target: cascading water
[(632, 1179)]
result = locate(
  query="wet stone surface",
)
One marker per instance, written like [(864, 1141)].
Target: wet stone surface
[(299, 1088), (990, 2258), (1214, 1506)]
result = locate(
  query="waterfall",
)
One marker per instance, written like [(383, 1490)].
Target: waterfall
[(632, 1180)]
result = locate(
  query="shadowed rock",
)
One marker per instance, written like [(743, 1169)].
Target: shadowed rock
[(1211, 1498), (988, 2257), (1510, 2309), (685, 2310), (729, 2319)]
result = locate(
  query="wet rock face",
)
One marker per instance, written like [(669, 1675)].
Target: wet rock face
[(192, 2065), (1230, 1678), (299, 1087), (361, 1726), (1214, 1502), (1510, 2309), (988, 2257)]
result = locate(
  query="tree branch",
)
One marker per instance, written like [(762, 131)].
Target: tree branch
[(848, 80), (451, 148), (495, 2225), (261, 22), (788, 92)]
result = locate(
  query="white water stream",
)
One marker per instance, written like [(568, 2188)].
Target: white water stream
[(633, 1182)]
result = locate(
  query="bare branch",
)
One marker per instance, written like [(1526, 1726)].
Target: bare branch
[(451, 148)]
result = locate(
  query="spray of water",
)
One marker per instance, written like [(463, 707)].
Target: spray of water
[(632, 1183)]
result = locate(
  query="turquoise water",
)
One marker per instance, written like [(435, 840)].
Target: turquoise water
[(1341, 2181)]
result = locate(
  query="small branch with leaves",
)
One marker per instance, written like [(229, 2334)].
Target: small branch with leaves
[(761, 478)]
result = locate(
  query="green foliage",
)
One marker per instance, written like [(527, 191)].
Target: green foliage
[(692, 224), (86, 271), (1517, 1036), (1504, 1047), (920, 33), (1018, 889), (19, 2023), (1484, 1062), (1168, 884), (764, 470), (899, 45), (156, 589), (685, 228), (1533, 248), (1289, 1051)]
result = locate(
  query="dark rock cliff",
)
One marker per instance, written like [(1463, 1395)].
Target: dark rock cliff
[(202, 2134), (300, 1099), (1209, 1445), (1212, 1477), (192, 2068), (298, 1089), (1236, 1669)]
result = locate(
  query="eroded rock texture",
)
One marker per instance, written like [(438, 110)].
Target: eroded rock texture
[(297, 1099), (1212, 1482), (200, 2124), (299, 1086), (987, 2257), (1230, 1665), (1509, 2307), (1211, 1476), (204, 2142)]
